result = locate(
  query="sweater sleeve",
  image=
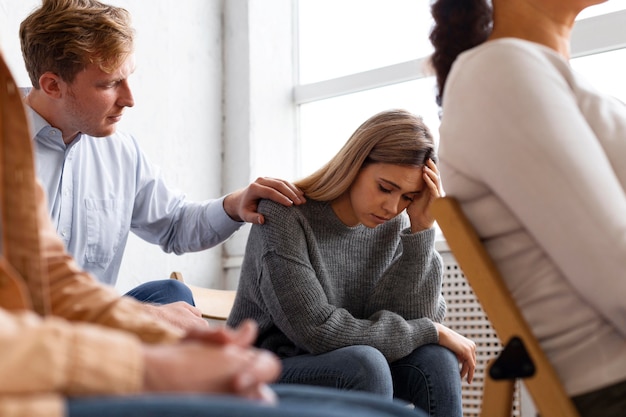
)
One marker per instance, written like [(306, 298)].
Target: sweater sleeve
[(50, 355), (566, 156), (298, 303), (411, 285)]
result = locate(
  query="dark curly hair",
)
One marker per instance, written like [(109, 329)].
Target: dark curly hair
[(459, 26)]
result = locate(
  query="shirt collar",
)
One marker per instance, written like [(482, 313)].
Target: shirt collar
[(45, 134)]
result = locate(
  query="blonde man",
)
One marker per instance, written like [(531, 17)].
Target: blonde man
[(100, 185)]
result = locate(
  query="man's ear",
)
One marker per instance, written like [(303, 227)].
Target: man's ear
[(50, 84)]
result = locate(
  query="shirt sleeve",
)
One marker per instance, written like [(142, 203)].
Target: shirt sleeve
[(554, 161), (75, 295), (411, 285)]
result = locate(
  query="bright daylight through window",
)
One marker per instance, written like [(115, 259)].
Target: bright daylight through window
[(358, 57)]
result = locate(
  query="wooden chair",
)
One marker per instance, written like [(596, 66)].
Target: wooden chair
[(522, 356), (214, 304)]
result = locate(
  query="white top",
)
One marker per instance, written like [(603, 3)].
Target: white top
[(537, 159)]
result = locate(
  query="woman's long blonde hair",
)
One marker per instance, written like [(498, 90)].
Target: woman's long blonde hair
[(393, 137)]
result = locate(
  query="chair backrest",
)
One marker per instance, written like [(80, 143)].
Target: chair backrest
[(483, 276)]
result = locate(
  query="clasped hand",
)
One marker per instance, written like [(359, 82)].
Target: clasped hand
[(213, 360)]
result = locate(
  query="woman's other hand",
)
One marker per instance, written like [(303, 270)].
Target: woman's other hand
[(463, 348)]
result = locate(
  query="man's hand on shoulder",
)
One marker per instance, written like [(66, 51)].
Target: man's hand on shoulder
[(242, 204)]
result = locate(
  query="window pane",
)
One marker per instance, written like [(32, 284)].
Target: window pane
[(604, 8), (341, 37), (605, 71), (326, 125)]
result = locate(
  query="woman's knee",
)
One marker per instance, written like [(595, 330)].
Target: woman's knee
[(366, 356), (369, 368), (429, 378), (433, 356)]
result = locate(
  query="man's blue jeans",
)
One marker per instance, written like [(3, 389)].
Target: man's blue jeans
[(294, 401), (428, 377), (163, 291)]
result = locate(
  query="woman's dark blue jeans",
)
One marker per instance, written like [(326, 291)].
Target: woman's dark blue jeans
[(429, 377)]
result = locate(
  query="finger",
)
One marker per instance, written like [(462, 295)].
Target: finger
[(464, 369), (219, 335), (431, 166), (246, 333), (280, 184), (259, 392), (195, 310), (433, 187), (266, 394), (259, 367), (432, 175), (251, 216), (275, 188), (469, 371), (471, 364), (293, 190), (430, 182), (244, 382)]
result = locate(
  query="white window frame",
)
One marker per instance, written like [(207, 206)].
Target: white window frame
[(593, 35)]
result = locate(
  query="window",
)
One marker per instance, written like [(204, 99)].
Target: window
[(605, 71), (338, 38), (599, 47), (358, 57), (327, 124)]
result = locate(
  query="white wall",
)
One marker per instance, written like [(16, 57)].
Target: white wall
[(178, 119), (259, 114), (177, 116)]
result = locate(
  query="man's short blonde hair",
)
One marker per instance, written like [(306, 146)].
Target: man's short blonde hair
[(65, 36)]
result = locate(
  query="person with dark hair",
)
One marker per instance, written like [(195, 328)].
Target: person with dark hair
[(71, 346), (537, 158), (346, 288), (100, 186)]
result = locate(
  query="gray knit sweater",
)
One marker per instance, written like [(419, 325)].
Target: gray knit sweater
[(315, 285)]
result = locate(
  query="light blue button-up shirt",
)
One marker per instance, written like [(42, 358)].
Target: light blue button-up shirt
[(100, 189)]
